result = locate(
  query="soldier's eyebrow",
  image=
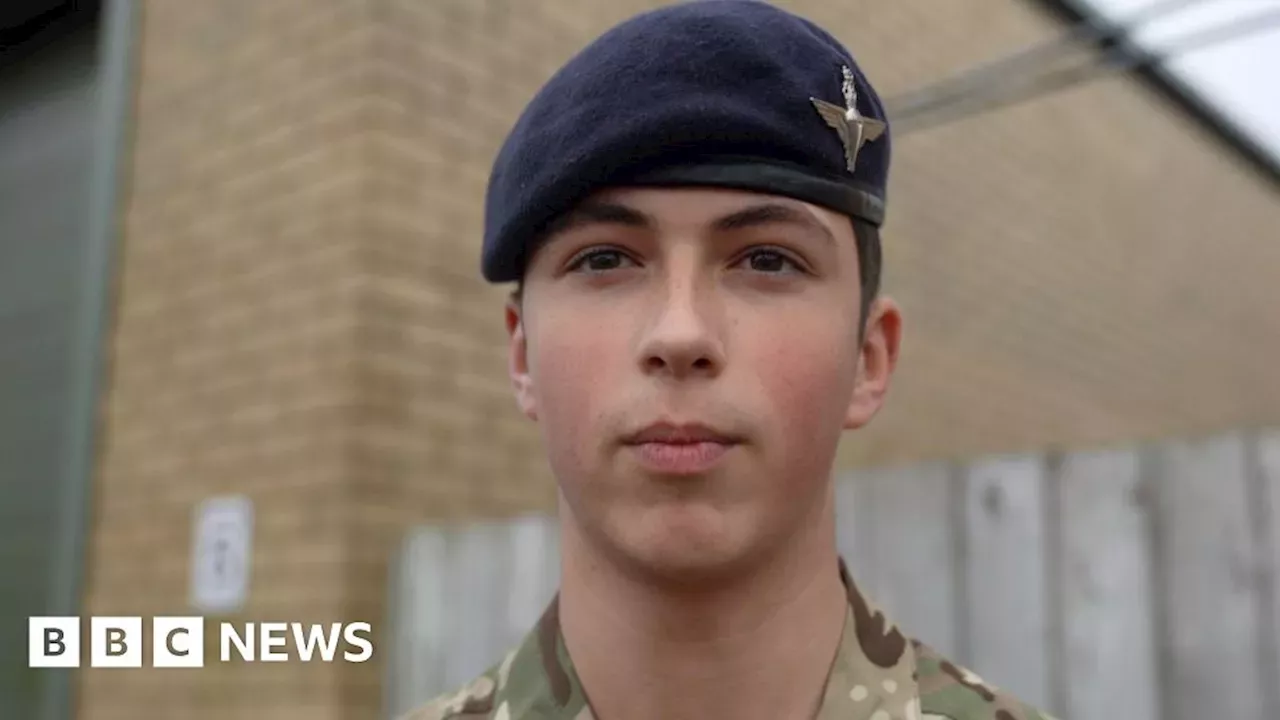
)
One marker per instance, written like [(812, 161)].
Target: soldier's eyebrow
[(599, 212), (770, 214)]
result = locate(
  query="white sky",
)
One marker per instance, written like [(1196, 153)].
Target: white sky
[(1239, 77)]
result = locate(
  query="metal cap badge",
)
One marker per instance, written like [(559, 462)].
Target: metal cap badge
[(854, 129)]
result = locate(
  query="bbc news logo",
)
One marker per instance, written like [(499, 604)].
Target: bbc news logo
[(179, 642)]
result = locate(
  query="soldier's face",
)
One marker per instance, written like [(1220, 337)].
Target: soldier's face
[(692, 357)]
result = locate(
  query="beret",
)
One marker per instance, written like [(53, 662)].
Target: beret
[(726, 93)]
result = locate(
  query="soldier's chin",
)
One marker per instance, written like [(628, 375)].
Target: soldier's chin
[(686, 563)]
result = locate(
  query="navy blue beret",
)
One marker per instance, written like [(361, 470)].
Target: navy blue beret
[(726, 93)]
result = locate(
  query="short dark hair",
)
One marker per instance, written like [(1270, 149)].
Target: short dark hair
[(870, 263), (867, 239)]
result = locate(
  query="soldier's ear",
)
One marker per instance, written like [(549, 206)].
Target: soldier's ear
[(518, 358), (877, 359)]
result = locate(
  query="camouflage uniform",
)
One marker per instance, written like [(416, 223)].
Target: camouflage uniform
[(878, 674)]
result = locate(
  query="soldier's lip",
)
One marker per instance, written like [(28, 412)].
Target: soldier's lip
[(668, 433), (680, 459)]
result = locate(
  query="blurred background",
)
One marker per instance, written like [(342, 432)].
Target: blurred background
[(248, 367)]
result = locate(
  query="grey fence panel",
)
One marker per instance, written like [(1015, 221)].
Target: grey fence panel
[(906, 526), (1267, 462), (461, 598), (416, 643), (480, 563), (1207, 559), (535, 574), (1007, 619), (1104, 575)]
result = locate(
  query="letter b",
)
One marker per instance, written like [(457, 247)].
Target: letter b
[(116, 642), (53, 642)]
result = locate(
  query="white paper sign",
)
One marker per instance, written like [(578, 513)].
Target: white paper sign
[(221, 552)]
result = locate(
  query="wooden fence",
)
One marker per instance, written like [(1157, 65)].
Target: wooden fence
[(1136, 584)]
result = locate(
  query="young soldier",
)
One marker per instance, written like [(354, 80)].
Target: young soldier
[(691, 208)]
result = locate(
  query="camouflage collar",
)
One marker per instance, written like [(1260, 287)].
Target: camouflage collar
[(872, 678), (878, 674), (874, 673)]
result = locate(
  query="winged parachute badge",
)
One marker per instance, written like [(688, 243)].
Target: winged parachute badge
[(854, 129)]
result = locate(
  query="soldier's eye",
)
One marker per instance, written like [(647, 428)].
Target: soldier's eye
[(599, 260), (765, 260)]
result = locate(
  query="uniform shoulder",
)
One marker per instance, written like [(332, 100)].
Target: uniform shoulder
[(951, 692), (472, 701)]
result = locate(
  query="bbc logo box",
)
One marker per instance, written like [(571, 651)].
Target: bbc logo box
[(115, 642)]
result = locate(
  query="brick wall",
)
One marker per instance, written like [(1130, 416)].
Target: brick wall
[(301, 316), (234, 343)]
